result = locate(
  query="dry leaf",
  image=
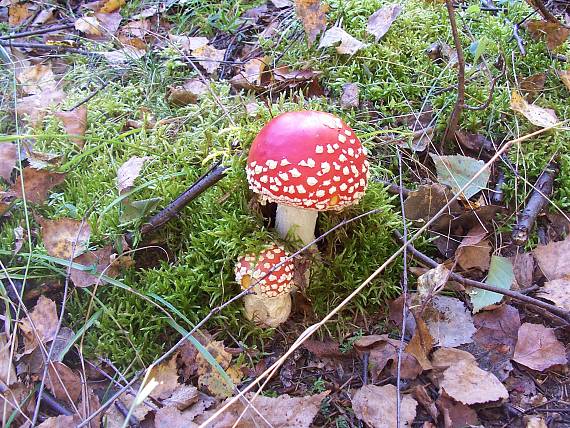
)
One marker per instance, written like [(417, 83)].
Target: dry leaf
[(557, 291), (523, 268), (45, 320), (189, 93), (65, 238), (553, 32), (189, 44), (129, 172), (350, 96), (7, 370), (553, 259), (45, 16), (312, 14), (250, 76), (538, 348), (112, 5), (126, 54), (37, 184), (424, 203), (19, 236), (6, 199), (18, 12), (464, 381), (474, 252), (63, 382), (543, 117), (209, 58), (449, 321), (167, 377), (421, 344), (88, 407), (474, 142), (456, 414), (497, 330), (286, 79), (88, 25), (170, 417), (376, 406), (443, 358), (35, 107), (60, 421), (433, 281), (456, 171), (348, 44), (99, 26), (534, 422), (8, 159), (74, 123), (380, 21), (182, 397), (532, 86), (565, 77), (36, 78), (101, 262), (282, 411), (217, 386), (113, 418)]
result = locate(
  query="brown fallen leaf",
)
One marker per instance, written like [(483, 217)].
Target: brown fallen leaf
[(557, 291), (120, 56), (113, 418), (464, 381), (8, 159), (18, 12), (543, 117), (449, 321), (129, 172), (497, 330), (182, 397), (103, 262), (474, 252), (455, 414), (532, 86), (75, 124), (99, 26), (251, 75), (421, 395), (443, 358), (565, 77), (36, 78), (538, 348), (474, 142), (553, 259), (65, 238), (376, 406), (188, 93), (424, 203), (312, 14), (348, 44), (188, 44), (209, 58), (432, 282), (217, 386), (63, 382), (112, 5), (286, 79), (282, 411), (380, 21), (7, 370), (6, 199), (169, 417), (34, 107), (421, 344), (87, 406), (534, 422), (167, 377), (45, 320), (136, 34), (60, 421), (554, 33), (350, 96), (44, 17), (37, 184), (19, 236), (523, 268)]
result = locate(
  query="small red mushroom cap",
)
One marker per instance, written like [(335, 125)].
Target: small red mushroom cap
[(308, 159), (257, 268)]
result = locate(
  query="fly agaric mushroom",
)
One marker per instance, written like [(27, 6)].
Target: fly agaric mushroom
[(306, 162), (270, 303)]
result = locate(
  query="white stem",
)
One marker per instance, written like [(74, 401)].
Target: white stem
[(298, 222), (267, 311)]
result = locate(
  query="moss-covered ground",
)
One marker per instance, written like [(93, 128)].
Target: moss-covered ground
[(395, 77)]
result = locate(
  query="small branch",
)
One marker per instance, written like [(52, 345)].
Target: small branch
[(133, 421), (215, 174), (538, 199), (517, 37), (50, 401), (393, 188), (498, 195), (44, 47), (491, 91), (90, 96), (546, 14), (38, 31), (460, 103), (481, 285)]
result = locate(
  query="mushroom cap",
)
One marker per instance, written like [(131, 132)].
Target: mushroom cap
[(308, 159), (256, 268)]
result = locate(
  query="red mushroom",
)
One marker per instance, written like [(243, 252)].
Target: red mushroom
[(270, 303), (306, 162)]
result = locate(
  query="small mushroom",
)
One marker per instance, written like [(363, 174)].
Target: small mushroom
[(306, 162), (270, 303)]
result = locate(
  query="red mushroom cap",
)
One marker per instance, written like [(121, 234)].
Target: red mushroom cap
[(308, 159), (258, 266)]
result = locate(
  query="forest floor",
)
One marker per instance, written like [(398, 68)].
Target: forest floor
[(440, 300)]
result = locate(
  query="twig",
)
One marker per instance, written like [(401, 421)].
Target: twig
[(517, 37), (481, 285), (538, 199), (38, 31), (498, 194), (44, 47), (460, 102), (546, 14), (404, 293), (393, 188), (215, 174), (50, 401), (90, 96), (133, 421)]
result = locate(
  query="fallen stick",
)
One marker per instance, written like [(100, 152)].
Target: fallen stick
[(44, 47), (38, 31), (428, 261), (538, 199)]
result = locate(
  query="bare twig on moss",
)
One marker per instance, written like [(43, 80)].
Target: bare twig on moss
[(215, 174), (44, 30), (44, 47), (133, 421), (481, 285), (50, 401), (538, 199), (90, 96), (519, 40)]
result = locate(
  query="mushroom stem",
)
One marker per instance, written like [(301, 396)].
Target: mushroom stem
[(297, 221), (267, 311)]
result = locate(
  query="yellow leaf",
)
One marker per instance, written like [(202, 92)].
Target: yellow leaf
[(112, 5), (565, 77), (543, 117)]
